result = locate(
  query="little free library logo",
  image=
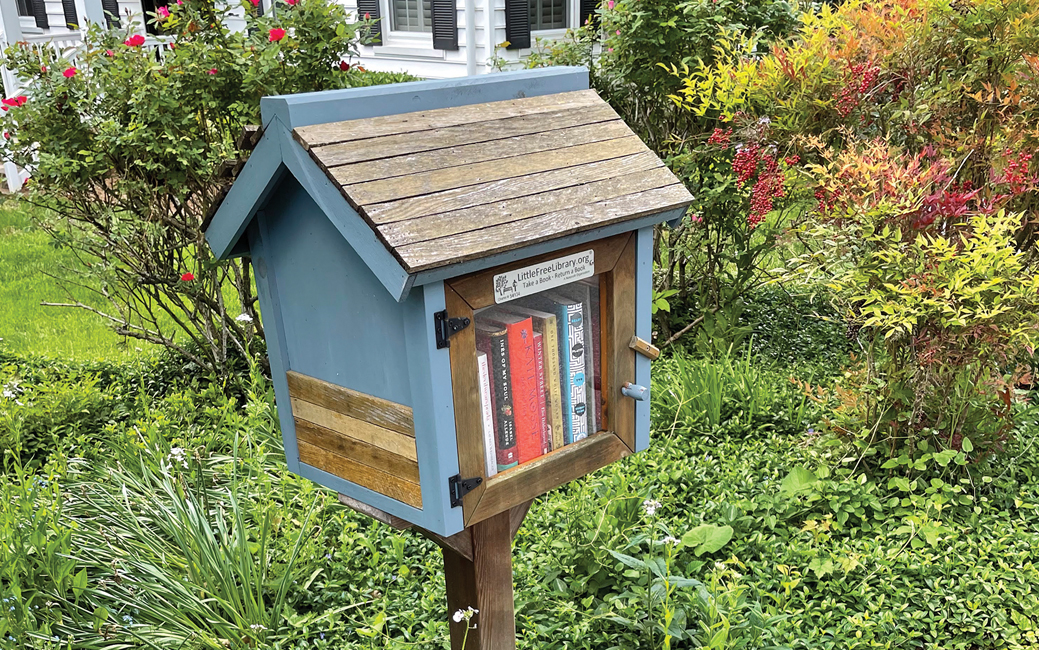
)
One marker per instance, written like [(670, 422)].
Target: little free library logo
[(544, 276)]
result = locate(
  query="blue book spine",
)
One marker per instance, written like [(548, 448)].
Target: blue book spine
[(562, 324)]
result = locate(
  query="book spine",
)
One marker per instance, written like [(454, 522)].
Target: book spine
[(563, 329), (523, 372), (539, 359), (505, 425), (578, 391), (554, 401), (487, 409), (595, 357)]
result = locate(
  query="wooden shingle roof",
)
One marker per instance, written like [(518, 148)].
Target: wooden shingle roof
[(445, 186)]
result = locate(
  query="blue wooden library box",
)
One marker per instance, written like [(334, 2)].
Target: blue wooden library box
[(455, 283)]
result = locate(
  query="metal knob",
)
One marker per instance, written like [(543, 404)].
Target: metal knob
[(635, 392)]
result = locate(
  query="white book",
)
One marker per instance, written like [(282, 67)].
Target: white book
[(490, 457)]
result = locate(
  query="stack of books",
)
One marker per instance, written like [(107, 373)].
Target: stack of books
[(540, 381)]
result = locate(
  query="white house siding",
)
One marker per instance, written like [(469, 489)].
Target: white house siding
[(407, 53)]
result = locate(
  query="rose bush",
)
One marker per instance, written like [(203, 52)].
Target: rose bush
[(130, 146)]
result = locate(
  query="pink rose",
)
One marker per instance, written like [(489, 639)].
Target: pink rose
[(69, 73), (276, 34), (212, 71), (162, 12)]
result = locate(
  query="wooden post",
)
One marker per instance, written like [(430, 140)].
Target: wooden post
[(483, 583), (478, 574)]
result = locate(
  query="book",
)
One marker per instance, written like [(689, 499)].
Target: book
[(545, 324), (494, 342), (596, 351), (487, 411), (587, 291), (539, 358), (570, 322), (526, 408)]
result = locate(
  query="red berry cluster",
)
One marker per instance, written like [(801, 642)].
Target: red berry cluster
[(720, 137), (745, 164), (1016, 175), (792, 160), (826, 199), (860, 79), (766, 190)]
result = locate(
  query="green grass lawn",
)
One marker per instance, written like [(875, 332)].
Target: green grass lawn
[(26, 256)]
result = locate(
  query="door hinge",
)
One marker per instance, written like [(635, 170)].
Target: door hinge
[(444, 327), (459, 487)]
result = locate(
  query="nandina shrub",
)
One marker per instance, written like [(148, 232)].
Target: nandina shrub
[(913, 124), (130, 147)]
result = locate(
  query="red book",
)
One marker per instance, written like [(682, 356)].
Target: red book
[(523, 373), (539, 358)]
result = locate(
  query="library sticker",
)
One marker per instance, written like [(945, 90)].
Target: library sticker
[(542, 277)]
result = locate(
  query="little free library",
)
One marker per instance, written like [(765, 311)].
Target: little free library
[(455, 281)]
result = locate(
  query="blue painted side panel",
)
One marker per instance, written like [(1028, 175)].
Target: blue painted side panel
[(375, 101), (456, 270), (274, 330), (340, 324), (431, 391), (258, 178), (643, 327), (349, 224)]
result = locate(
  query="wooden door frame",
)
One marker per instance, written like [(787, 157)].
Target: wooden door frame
[(615, 265)]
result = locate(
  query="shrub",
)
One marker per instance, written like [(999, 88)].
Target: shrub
[(130, 148)]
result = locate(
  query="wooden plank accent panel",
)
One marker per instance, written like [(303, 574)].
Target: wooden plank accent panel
[(523, 483), (466, 395), (323, 134), (355, 151), (355, 472), (377, 411), (370, 455), (477, 289), (618, 318), (518, 234), (403, 233), (360, 430), (360, 438), (391, 189)]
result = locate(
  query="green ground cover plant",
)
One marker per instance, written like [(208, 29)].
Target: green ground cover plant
[(175, 522)]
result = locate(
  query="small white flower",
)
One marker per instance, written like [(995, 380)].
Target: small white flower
[(178, 455), (672, 540), (244, 318), (650, 507), (257, 627), (457, 618), (464, 614)]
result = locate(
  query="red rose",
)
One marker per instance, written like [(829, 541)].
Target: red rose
[(43, 68), (212, 71), (134, 41), (187, 277), (276, 34), (69, 73), (344, 66), (292, 2), (109, 53), (367, 16)]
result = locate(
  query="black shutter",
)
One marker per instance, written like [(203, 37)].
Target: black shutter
[(445, 25), (39, 12), (111, 9), (517, 24), (371, 7), (68, 7), (588, 8)]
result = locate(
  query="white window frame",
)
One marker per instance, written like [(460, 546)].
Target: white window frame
[(572, 9), (401, 38)]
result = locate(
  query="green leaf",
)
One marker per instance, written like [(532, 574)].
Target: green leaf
[(629, 561), (968, 446), (707, 538), (798, 479)]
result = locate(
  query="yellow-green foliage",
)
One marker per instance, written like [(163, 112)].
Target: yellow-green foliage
[(970, 281)]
